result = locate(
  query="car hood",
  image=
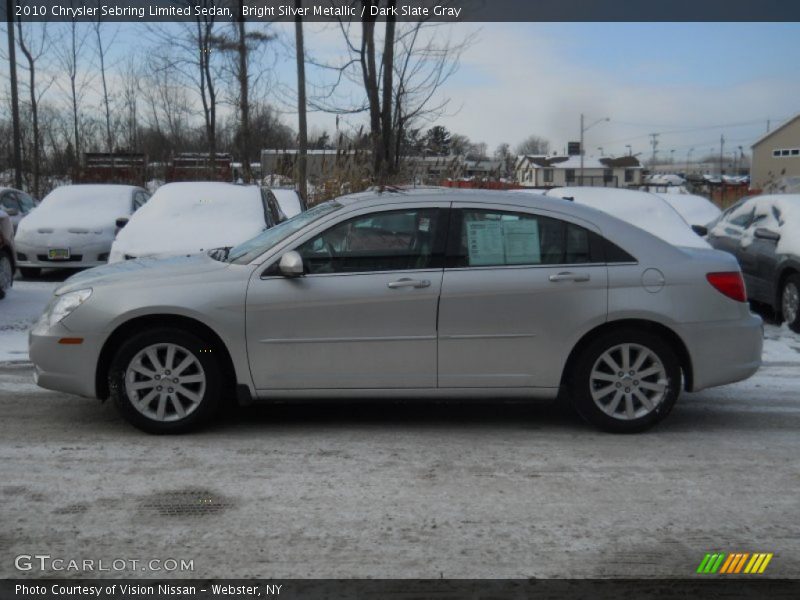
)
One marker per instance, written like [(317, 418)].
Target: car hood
[(142, 270)]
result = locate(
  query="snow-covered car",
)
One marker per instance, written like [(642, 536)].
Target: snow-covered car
[(74, 226), (696, 210), (642, 209), (6, 253), (763, 233), (16, 204), (289, 201), (190, 217)]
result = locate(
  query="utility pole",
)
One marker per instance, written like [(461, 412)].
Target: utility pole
[(12, 67), (654, 144), (721, 151), (302, 153), (582, 130)]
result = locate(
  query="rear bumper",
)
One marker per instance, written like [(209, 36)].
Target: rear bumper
[(66, 368), (723, 352)]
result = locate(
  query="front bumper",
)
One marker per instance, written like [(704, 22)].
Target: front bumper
[(66, 368), (723, 352), (81, 256)]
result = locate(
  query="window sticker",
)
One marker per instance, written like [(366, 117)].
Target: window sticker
[(485, 243), (521, 242), (424, 224)]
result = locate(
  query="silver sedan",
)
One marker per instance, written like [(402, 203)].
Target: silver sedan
[(411, 295)]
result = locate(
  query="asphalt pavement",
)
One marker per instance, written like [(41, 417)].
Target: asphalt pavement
[(387, 490)]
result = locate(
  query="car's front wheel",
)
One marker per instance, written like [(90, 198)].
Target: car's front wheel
[(625, 381), (165, 380), (790, 302)]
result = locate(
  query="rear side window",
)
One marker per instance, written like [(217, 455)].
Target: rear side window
[(483, 238)]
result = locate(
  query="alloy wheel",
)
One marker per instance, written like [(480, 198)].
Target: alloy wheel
[(628, 381), (165, 382)]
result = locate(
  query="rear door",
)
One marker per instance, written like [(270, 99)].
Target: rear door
[(519, 289)]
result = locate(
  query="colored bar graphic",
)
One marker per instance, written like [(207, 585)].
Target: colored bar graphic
[(734, 563)]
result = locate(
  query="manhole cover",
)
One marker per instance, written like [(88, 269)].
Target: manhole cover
[(190, 502)]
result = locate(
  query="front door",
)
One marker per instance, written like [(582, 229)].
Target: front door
[(518, 291), (364, 314)]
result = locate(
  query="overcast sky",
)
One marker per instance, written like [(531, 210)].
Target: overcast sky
[(689, 82)]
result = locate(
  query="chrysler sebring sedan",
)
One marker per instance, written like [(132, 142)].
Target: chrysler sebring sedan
[(439, 294)]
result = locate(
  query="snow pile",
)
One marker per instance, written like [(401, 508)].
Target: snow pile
[(695, 210), (289, 201), (186, 218), (644, 210), (87, 207), (18, 312)]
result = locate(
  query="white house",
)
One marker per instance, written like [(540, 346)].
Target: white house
[(561, 171)]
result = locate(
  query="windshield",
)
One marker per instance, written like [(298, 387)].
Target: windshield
[(247, 251)]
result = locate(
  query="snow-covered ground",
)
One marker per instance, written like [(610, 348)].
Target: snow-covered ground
[(18, 311), (27, 299)]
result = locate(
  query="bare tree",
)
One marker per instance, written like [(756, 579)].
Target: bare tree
[(102, 49), (533, 145), (302, 176), (400, 81), (34, 43), (70, 56)]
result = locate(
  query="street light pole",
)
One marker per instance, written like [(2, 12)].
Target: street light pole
[(584, 129)]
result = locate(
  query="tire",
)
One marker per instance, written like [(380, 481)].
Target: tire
[(6, 274), (790, 302), (141, 369), (30, 272), (607, 400)]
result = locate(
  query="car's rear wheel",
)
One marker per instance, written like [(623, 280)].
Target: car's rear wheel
[(165, 381), (790, 302), (30, 272), (625, 381), (6, 274)]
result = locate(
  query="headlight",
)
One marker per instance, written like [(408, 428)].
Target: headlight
[(65, 304)]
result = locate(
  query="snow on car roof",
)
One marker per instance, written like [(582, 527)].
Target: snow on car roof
[(695, 210), (642, 209), (189, 217)]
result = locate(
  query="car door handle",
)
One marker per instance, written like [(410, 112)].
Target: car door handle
[(567, 276), (404, 283)]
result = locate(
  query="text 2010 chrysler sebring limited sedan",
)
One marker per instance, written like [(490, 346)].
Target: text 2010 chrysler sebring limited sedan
[(420, 295)]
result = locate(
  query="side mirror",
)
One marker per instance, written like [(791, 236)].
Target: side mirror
[(121, 222), (767, 234), (291, 264), (700, 230)]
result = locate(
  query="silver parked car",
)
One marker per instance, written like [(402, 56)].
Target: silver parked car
[(437, 294)]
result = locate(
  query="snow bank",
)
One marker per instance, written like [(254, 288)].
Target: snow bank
[(90, 207), (695, 210), (644, 210), (289, 201), (20, 309), (186, 218)]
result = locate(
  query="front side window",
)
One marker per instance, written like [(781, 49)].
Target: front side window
[(385, 241), (499, 238), (9, 201)]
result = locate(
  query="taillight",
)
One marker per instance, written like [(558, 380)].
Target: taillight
[(731, 284)]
